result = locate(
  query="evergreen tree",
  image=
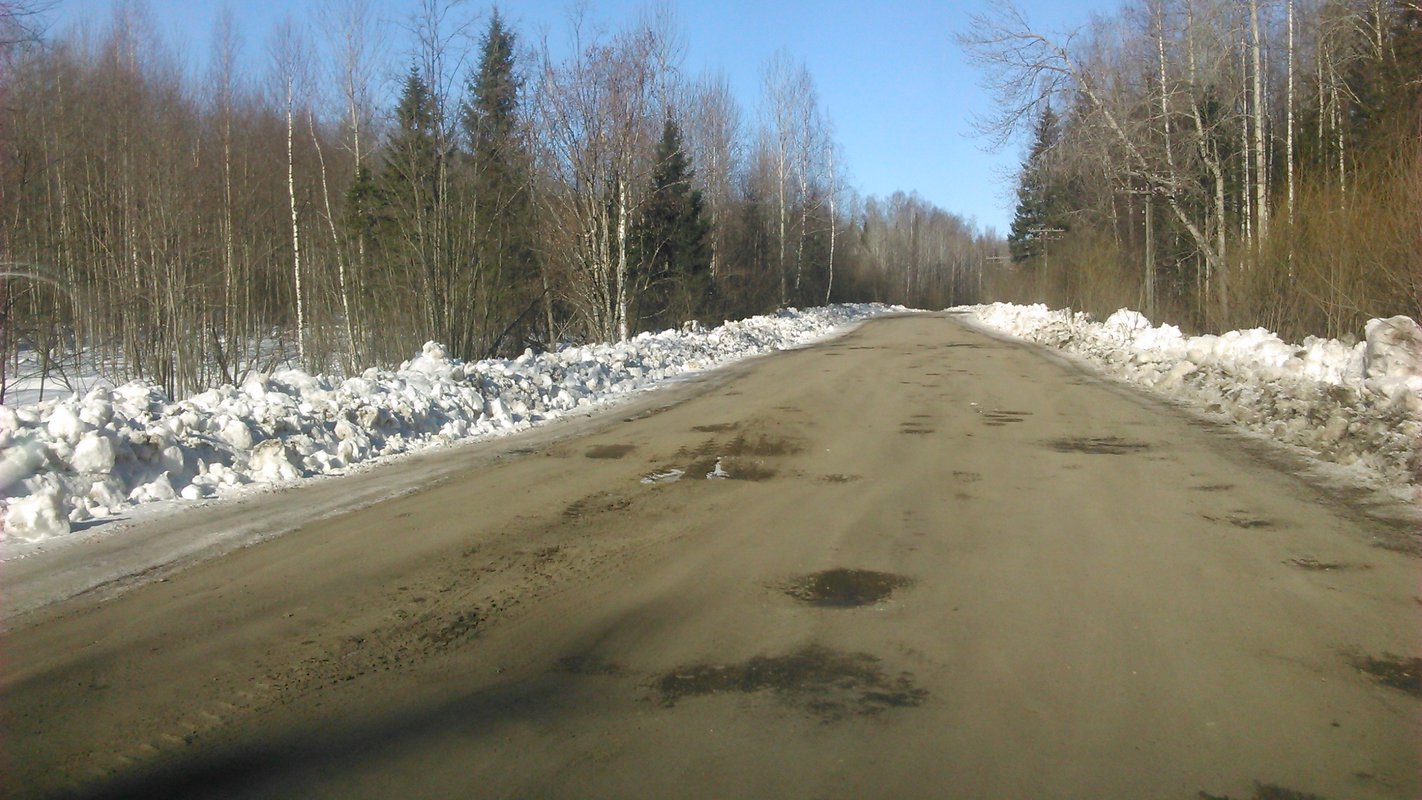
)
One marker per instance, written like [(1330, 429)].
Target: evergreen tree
[(499, 180), (671, 239), (1040, 207)]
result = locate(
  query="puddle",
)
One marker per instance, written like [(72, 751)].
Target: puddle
[(1315, 565), (825, 683), (586, 664), (1399, 673), (609, 450), (1267, 791), (845, 588), (663, 476), (718, 427), (839, 478), (1098, 445), (729, 469)]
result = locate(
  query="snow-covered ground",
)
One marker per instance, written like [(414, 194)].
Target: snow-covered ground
[(1358, 406), (90, 457)]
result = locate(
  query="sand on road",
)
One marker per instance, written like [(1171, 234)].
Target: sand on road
[(940, 565)]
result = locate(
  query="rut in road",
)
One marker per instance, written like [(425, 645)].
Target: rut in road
[(914, 561)]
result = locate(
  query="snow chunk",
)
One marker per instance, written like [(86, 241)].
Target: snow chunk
[(93, 454), (36, 517)]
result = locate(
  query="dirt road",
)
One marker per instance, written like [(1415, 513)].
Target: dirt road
[(941, 566)]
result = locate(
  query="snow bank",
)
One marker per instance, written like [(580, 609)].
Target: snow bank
[(1359, 406), (89, 457)]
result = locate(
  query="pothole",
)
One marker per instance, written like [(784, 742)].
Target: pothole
[(736, 469), (1241, 519), (845, 588), (1098, 445), (1404, 674), (825, 683), (1314, 565), (609, 450)]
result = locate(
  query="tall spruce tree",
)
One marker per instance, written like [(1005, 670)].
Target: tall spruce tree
[(1040, 208), (499, 179), (671, 239), (409, 233)]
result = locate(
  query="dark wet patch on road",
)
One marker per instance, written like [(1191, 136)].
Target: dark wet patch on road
[(762, 445), (839, 478), (587, 664), (845, 588), (915, 428), (1213, 487), (1000, 418), (600, 503), (1404, 674), (1098, 445), (967, 477), (609, 450), (1267, 791), (828, 684), (717, 427)]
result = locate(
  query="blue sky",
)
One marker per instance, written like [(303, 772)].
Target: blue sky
[(898, 89)]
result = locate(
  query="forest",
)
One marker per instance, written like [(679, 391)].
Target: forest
[(333, 193), (1216, 164)]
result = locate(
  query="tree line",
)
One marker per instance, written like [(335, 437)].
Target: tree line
[(1219, 163), (189, 226)]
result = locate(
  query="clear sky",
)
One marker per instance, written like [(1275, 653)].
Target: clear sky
[(899, 91)]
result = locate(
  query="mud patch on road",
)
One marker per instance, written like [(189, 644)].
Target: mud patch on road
[(1213, 487), (915, 428), (1404, 674), (609, 450), (845, 588), (840, 478), (967, 477), (1098, 445), (828, 684), (716, 427)]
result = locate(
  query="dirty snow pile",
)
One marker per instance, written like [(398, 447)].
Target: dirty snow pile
[(90, 457), (1358, 405)]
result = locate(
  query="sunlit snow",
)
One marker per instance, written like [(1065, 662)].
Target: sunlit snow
[(91, 456)]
